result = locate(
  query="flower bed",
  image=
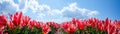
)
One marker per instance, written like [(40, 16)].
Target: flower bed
[(19, 24)]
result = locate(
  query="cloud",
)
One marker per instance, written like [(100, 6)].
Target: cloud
[(8, 6), (72, 11), (45, 13)]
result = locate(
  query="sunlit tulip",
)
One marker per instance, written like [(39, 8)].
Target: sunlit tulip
[(16, 18), (53, 24), (20, 24), (25, 20), (3, 20), (45, 29), (3, 23), (81, 25), (75, 21), (11, 25), (107, 24), (100, 25), (32, 23), (69, 27)]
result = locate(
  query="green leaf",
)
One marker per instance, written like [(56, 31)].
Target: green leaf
[(54, 30), (16, 30)]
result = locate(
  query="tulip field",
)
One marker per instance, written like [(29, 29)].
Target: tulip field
[(19, 24)]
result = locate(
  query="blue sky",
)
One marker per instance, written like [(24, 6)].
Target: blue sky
[(63, 10)]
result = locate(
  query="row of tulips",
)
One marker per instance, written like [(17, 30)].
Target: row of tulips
[(19, 24)]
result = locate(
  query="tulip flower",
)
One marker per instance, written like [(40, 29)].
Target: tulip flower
[(16, 18), (78, 23), (89, 22), (81, 25), (25, 20), (38, 24), (75, 21), (11, 25), (100, 25), (107, 22), (55, 25), (117, 24), (111, 29), (20, 24), (3, 22), (69, 27), (32, 23), (45, 29)]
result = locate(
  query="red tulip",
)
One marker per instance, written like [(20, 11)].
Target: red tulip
[(117, 24), (38, 24), (106, 24), (75, 21), (64, 25), (95, 21), (100, 25), (90, 22), (45, 29), (78, 23), (25, 20), (69, 27), (16, 18), (111, 29), (81, 25), (55, 25), (32, 23), (11, 25), (3, 20)]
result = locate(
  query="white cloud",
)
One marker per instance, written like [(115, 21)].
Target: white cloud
[(73, 11), (92, 13), (45, 13), (8, 6)]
